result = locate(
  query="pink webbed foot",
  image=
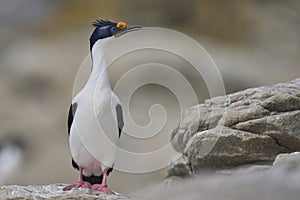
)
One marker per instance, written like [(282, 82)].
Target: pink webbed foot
[(82, 184), (102, 188)]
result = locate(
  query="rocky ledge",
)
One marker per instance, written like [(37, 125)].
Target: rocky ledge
[(246, 129), (278, 183), (281, 182), (54, 191)]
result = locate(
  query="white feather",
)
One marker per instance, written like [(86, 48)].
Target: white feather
[(94, 132)]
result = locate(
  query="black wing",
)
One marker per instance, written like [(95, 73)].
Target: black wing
[(72, 111), (74, 164), (120, 118)]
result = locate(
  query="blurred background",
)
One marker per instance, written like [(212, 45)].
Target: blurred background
[(43, 43)]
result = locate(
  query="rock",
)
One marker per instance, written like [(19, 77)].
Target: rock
[(223, 147), (275, 184), (179, 167), (250, 126), (197, 118), (283, 127), (244, 169), (54, 191), (287, 160), (291, 159)]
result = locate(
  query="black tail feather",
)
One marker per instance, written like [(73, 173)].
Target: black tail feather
[(96, 179), (91, 179)]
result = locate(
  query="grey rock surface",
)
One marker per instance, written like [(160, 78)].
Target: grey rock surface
[(278, 183), (223, 147), (292, 159), (254, 125), (179, 167), (244, 169), (54, 191)]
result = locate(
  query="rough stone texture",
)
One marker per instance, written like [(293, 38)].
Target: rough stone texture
[(54, 191), (222, 147), (254, 125), (292, 159), (179, 167)]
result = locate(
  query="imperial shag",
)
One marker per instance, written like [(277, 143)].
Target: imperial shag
[(95, 118)]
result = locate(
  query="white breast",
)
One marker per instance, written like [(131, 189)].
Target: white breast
[(94, 132)]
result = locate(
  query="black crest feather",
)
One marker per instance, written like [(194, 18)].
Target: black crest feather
[(102, 30), (101, 23)]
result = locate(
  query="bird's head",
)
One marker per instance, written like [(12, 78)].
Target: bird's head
[(105, 29)]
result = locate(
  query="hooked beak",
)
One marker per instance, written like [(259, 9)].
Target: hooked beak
[(127, 30)]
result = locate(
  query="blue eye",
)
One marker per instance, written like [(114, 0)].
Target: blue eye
[(113, 30)]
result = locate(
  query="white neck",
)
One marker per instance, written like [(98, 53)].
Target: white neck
[(99, 74)]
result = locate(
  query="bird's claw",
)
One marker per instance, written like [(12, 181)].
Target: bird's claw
[(83, 184), (101, 188)]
